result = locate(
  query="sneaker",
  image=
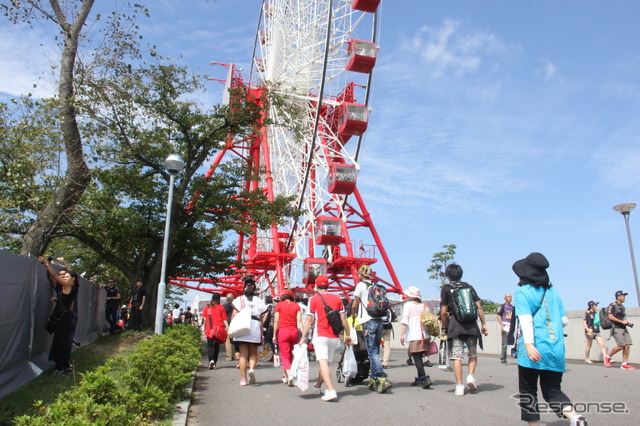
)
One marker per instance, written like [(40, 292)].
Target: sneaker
[(290, 382), (428, 363), (588, 361), (243, 382), (383, 386), (68, 370), (459, 390), (471, 383), (57, 373), (416, 382), (627, 367), (607, 361), (212, 365), (252, 377), (373, 384), (503, 361), (426, 382), (578, 420), (316, 390), (329, 395)]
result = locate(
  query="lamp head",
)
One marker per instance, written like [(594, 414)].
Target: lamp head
[(625, 208), (174, 164)]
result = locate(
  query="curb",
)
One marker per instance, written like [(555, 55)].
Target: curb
[(181, 415)]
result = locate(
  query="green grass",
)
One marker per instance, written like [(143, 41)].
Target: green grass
[(46, 388)]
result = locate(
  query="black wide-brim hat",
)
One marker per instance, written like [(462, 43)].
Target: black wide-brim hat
[(533, 269)]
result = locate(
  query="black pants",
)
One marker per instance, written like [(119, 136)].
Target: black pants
[(550, 384), (213, 348), (136, 318), (417, 360), (110, 315)]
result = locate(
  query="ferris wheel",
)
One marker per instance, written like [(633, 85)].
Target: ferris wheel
[(318, 57)]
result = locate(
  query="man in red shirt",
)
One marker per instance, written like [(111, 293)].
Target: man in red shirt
[(325, 341)]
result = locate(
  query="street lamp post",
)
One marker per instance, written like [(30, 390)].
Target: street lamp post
[(174, 165), (625, 210)]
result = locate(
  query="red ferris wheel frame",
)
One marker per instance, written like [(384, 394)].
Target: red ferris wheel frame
[(341, 256)]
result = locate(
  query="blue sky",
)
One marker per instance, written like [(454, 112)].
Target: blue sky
[(503, 127)]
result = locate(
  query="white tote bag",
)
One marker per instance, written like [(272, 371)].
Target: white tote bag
[(350, 365), (241, 323), (300, 367)]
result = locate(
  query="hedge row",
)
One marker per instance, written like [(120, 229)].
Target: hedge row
[(138, 389)]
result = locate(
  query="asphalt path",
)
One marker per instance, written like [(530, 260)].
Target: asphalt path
[(219, 400)]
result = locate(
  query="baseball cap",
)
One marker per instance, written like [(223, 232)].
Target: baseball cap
[(591, 303), (620, 292), (322, 281)]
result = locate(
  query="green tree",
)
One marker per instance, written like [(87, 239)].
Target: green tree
[(439, 262), (118, 43), (120, 218), (129, 115), (489, 306)]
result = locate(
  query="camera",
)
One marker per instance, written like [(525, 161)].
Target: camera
[(49, 258)]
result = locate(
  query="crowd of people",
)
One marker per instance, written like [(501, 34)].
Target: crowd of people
[(532, 323)]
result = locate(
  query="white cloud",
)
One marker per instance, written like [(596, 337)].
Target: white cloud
[(448, 49), (26, 59), (550, 70)]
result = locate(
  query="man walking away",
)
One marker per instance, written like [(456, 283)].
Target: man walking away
[(504, 319), (372, 327), (111, 306), (461, 330), (137, 304), (616, 312), (325, 340)]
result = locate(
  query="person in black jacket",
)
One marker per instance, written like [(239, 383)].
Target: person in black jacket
[(460, 333)]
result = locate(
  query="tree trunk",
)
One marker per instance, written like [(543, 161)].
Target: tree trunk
[(77, 176)]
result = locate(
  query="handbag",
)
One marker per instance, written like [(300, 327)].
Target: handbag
[(241, 322), (216, 332), (432, 348), (52, 321)]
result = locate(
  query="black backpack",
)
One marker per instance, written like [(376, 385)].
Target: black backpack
[(465, 308), (333, 316), (605, 322), (378, 303)]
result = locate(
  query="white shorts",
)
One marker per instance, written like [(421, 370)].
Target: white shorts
[(325, 347)]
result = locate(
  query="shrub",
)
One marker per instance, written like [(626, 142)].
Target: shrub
[(154, 376)]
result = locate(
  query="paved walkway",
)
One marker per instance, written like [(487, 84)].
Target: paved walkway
[(219, 400)]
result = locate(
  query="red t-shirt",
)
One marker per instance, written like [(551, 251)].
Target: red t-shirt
[(288, 314), (216, 313), (316, 307)]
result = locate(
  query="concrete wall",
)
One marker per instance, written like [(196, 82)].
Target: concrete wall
[(575, 341)]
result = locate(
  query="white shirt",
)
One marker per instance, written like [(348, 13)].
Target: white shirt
[(257, 307), (362, 292), (411, 313)]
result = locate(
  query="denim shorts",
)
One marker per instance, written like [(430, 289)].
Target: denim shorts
[(457, 347)]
